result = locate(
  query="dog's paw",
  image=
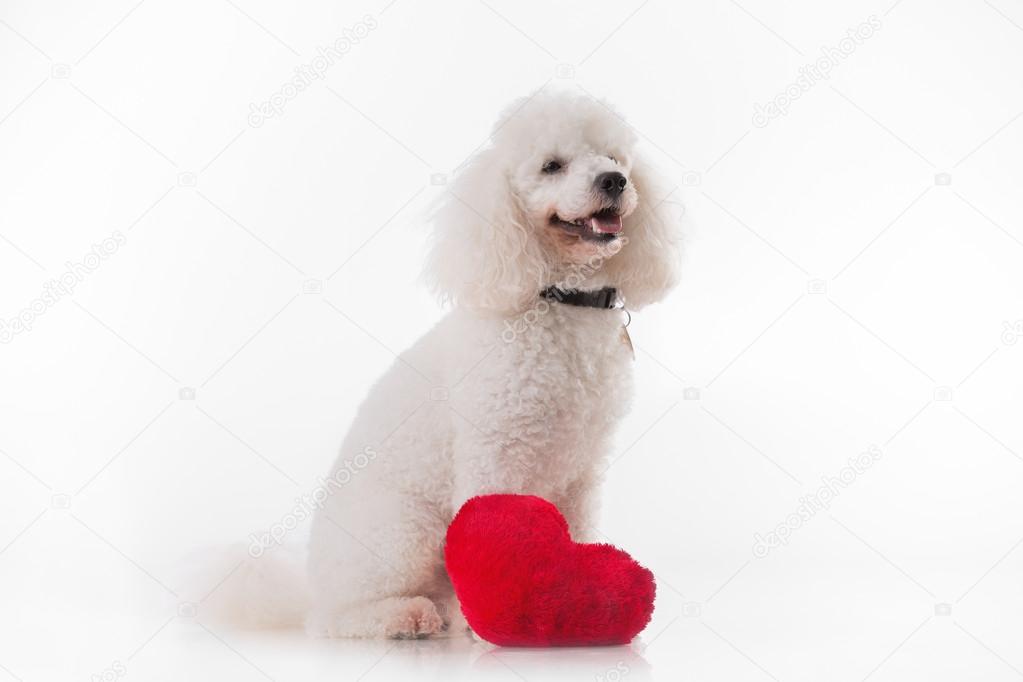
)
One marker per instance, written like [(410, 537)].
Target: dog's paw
[(395, 617), (414, 618)]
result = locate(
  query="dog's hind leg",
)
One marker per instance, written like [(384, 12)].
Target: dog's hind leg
[(382, 576)]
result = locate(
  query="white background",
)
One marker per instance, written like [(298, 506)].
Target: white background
[(846, 265)]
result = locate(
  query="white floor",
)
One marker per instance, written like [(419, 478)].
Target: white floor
[(852, 617), (853, 290)]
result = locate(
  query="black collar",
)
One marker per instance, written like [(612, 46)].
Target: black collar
[(605, 298)]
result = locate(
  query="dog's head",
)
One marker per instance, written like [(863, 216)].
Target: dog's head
[(559, 195)]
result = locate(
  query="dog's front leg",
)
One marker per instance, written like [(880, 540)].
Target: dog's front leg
[(488, 459)]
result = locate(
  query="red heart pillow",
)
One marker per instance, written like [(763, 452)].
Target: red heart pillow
[(521, 581)]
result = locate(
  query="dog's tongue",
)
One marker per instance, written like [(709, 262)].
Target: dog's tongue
[(607, 224)]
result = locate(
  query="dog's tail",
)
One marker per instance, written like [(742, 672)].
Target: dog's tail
[(243, 590)]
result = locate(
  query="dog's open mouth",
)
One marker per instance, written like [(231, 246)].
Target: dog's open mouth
[(602, 226)]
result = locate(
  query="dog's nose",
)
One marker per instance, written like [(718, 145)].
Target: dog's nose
[(612, 184)]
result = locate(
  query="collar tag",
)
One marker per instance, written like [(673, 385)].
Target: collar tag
[(627, 340)]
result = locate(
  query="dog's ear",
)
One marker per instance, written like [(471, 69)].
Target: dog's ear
[(648, 265), (482, 256)]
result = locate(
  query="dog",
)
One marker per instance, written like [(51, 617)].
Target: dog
[(539, 243)]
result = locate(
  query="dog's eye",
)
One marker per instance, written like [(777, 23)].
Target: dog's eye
[(552, 166)]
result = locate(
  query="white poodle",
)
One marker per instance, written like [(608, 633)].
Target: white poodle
[(541, 240)]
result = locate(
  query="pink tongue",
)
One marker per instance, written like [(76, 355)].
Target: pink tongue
[(606, 224)]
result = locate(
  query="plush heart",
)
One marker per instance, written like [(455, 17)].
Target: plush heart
[(522, 581)]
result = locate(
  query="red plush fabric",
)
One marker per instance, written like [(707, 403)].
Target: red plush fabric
[(521, 580)]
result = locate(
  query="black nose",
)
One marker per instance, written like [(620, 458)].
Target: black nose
[(612, 184)]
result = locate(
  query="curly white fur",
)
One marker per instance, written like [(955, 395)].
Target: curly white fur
[(508, 393)]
